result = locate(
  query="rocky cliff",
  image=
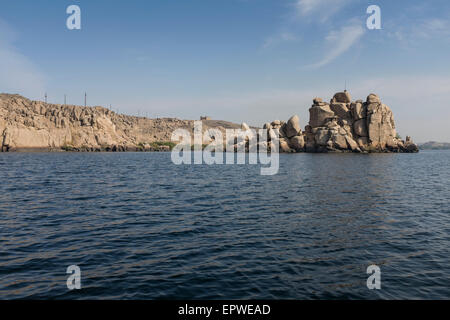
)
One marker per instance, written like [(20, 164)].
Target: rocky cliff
[(343, 125), (26, 125)]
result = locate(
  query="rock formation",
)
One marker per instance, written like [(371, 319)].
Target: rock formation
[(26, 124), (338, 126), (344, 126)]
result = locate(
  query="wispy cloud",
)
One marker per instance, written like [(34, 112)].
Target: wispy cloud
[(435, 27), (18, 74), (280, 38), (421, 30), (322, 9), (338, 42)]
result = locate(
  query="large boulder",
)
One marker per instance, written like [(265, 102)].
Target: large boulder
[(341, 110), (380, 125), (317, 101), (339, 141), (293, 127), (360, 128), (373, 98), (297, 143), (352, 144), (410, 146), (318, 115), (358, 110), (343, 97), (284, 146), (322, 136), (276, 123)]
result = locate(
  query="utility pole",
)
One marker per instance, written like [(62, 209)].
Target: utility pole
[(65, 100), (46, 97), (85, 98)]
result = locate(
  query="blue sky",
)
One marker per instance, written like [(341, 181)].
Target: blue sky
[(236, 60)]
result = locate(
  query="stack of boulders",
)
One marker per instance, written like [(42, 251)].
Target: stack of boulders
[(343, 126), (290, 134)]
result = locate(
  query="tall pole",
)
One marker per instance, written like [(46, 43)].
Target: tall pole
[(85, 98), (46, 97)]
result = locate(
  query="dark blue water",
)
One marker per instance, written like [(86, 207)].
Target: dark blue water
[(140, 227)]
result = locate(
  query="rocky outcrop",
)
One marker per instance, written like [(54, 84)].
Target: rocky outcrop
[(338, 126), (26, 124), (345, 126)]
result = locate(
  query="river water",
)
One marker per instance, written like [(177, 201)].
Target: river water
[(140, 227)]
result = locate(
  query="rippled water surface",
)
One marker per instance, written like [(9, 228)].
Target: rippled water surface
[(140, 227)]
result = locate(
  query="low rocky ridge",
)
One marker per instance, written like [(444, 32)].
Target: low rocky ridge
[(28, 125), (433, 145), (343, 126)]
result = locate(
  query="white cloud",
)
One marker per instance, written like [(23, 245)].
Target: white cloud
[(414, 34), (18, 74), (433, 27), (323, 9), (338, 42), (280, 38)]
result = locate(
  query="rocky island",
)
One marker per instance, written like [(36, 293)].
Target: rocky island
[(338, 126), (343, 126)]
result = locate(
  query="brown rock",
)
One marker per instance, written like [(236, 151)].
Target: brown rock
[(363, 142), (317, 100), (297, 143), (339, 141), (284, 146), (318, 115), (322, 136), (358, 110), (373, 98), (360, 128), (341, 110), (343, 97), (352, 143), (293, 127), (380, 125)]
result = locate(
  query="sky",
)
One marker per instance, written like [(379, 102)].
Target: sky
[(248, 61)]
